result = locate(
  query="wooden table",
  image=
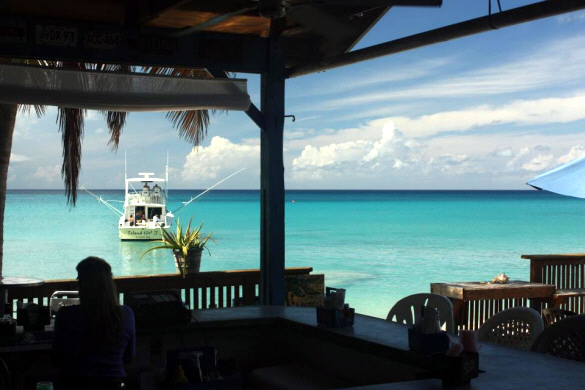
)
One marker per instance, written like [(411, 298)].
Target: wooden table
[(8, 282), (475, 302)]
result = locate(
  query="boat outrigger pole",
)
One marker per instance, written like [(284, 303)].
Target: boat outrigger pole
[(105, 202), (206, 191)]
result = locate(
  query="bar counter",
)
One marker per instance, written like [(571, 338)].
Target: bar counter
[(373, 354), (504, 368)]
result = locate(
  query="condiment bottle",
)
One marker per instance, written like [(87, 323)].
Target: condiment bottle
[(179, 375), (437, 323)]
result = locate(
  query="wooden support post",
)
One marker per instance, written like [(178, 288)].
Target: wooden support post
[(272, 177)]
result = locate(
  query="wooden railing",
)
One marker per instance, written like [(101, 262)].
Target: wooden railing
[(567, 273), (199, 291)]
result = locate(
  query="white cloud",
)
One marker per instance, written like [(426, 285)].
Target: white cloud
[(555, 64), (571, 17), (48, 174), (92, 115), (541, 111), (23, 124), (576, 152), (220, 159), (355, 157), (479, 159), (99, 130), (503, 152), (14, 158), (485, 117), (539, 163), (380, 74), (453, 164), (517, 156)]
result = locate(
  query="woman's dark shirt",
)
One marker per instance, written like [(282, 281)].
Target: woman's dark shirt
[(80, 356)]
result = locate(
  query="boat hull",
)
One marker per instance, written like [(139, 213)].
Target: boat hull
[(140, 233)]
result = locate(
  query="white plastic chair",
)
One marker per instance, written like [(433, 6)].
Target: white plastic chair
[(565, 338), (63, 298), (516, 327), (407, 310)]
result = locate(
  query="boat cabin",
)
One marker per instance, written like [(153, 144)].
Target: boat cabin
[(145, 209)]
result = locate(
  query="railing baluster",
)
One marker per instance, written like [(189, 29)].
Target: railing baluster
[(212, 301), (196, 304), (204, 302), (220, 297), (229, 296), (188, 297)]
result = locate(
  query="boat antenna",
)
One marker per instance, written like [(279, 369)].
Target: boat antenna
[(207, 190), (167, 179), (125, 180)]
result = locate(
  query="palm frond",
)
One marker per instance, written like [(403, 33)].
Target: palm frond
[(71, 124), (71, 127), (193, 124), (182, 72), (116, 121), (40, 110)]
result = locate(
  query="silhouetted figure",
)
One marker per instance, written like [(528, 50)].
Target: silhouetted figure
[(95, 339)]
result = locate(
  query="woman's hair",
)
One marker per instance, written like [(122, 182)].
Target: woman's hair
[(99, 301)]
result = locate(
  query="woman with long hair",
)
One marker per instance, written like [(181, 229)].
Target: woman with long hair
[(94, 340)]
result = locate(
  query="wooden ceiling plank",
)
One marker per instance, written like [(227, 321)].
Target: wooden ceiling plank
[(143, 11), (114, 43)]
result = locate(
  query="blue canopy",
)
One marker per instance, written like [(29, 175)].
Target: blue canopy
[(568, 179)]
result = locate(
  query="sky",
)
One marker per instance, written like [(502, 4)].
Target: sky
[(485, 112)]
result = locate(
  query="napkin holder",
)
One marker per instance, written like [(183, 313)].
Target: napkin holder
[(334, 318), (33, 317), (455, 371), (427, 344), (335, 313), (7, 330)]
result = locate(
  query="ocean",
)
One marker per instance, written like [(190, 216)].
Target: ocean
[(379, 245)]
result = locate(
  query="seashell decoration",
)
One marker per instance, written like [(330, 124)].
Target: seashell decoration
[(501, 279)]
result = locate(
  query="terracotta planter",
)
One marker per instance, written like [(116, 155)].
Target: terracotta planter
[(193, 263)]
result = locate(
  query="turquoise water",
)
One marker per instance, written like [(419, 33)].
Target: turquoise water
[(379, 245)]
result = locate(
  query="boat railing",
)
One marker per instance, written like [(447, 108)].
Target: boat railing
[(203, 290)]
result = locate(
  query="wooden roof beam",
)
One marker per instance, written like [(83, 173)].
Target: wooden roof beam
[(474, 26), (111, 43)]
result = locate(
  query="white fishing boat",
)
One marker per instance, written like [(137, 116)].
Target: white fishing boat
[(145, 211)]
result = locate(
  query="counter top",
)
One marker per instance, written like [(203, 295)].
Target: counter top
[(504, 368)]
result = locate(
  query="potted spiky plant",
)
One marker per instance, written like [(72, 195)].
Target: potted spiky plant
[(187, 246)]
